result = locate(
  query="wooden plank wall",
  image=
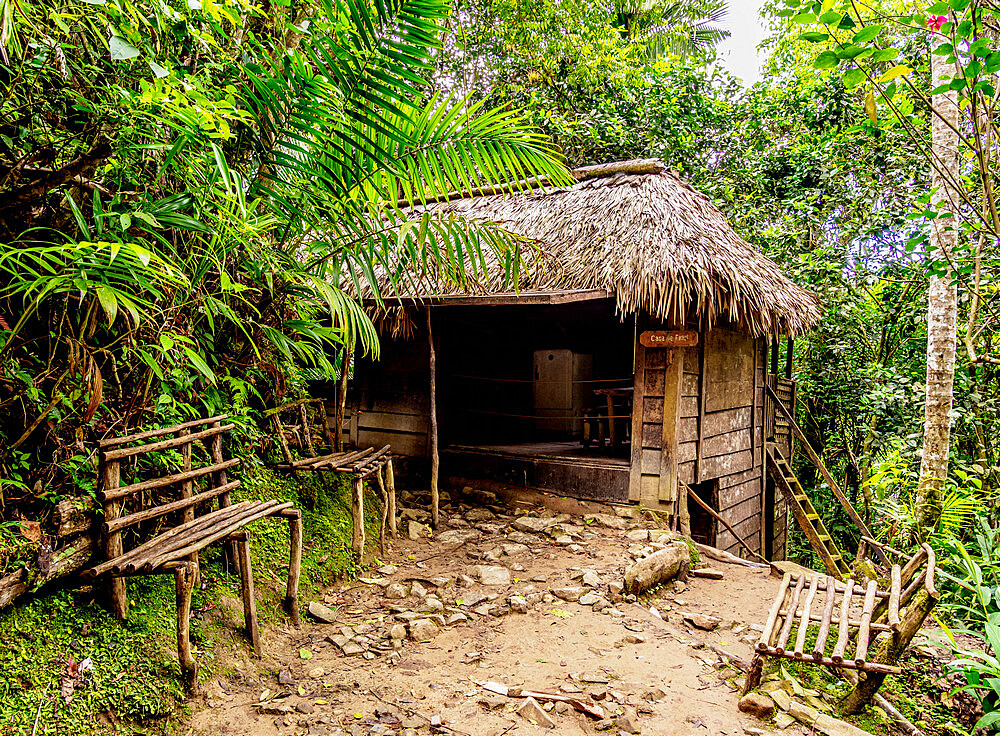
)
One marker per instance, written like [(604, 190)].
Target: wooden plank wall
[(388, 402)]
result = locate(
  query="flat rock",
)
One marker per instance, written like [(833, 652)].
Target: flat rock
[(757, 704), (532, 524), (522, 538), (628, 722), (417, 590), (514, 548), (396, 591), (573, 593), (423, 629), (657, 568), (607, 521), (491, 574), (589, 599), (638, 535), (591, 579), (532, 712), (322, 613), (517, 604), (387, 570), (457, 536), (703, 622), (415, 530), (492, 701), (479, 514), (397, 631)]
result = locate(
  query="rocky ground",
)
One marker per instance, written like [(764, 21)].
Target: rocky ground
[(444, 636)]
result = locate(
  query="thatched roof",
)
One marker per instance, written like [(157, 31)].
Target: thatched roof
[(651, 241)]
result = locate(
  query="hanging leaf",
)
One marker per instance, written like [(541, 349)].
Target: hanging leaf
[(870, 107), (899, 70)]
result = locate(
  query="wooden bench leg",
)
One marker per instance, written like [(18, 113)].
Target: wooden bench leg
[(185, 577), (249, 595), (358, 517), (294, 566), (390, 487), (754, 673)]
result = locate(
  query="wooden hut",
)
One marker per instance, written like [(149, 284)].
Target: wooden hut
[(629, 363)]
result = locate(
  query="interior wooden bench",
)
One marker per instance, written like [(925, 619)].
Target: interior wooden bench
[(360, 464), (184, 524), (797, 607)]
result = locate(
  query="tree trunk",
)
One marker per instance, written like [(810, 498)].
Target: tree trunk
[(942, 302)]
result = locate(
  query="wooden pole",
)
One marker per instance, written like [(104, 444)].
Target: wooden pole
[(248, 592), (184, 579), (221, 479), (294, 564), (358, 516), (390, 485), (341, 408), (110, 478), (435, 459), (385, 509), (789, 356)]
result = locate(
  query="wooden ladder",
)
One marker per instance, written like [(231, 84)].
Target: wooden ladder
[(805, 514)]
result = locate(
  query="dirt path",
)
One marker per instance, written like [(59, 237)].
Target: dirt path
[(649, 674)]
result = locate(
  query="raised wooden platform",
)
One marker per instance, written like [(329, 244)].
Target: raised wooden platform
[(563, 468)]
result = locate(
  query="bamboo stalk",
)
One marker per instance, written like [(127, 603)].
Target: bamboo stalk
[(221, 478), (110, 477), (800, 638), (115, 441), (864, 627), (845, 608), (772, 616), (156, 511), (167, 480), (824, 628), (166, 444), (855, 623), (840, 587), (786, 628)]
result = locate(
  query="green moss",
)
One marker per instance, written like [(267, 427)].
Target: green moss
[(135, 685)]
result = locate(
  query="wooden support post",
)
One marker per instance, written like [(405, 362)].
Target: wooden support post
[(890, 651), (774, 354), (789, 356), (294, 565), (184, 578), (221, 478), (390, 486), (385, 509), (435, 459), (341, 408), (110, 480), (187, 490), (358, 516), (668, 490), (247, 591)]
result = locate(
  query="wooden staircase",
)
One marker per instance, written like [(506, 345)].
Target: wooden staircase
[(805, 514)]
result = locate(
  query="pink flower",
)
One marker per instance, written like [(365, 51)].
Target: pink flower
[(934, 22)]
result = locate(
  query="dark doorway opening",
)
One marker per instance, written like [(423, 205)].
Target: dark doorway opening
[(703, 525)]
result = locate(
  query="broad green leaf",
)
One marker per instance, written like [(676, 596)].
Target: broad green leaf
[(814, 36), (867, 33), (871, 108), (853, 77), (109, 303), (826, 60)]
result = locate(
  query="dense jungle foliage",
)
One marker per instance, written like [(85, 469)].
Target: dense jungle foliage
[(194, 192)]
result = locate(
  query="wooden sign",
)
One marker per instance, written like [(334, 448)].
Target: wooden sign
[(668, 338)]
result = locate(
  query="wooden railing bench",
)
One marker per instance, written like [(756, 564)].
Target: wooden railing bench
[(183, 532), (799, 605), (360, 464)]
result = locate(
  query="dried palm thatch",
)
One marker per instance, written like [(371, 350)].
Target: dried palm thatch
[(637, 231)]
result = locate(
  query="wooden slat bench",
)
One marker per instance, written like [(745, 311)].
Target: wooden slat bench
[(798, 605), (360, 464), (182, 533)]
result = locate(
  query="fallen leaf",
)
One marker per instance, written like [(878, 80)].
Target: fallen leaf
[(305, 653)]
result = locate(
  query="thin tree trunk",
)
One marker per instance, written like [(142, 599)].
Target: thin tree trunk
[(942, 303)]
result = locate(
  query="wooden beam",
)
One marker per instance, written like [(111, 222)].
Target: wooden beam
[(500, 299), (789, 356), (639, 383)]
